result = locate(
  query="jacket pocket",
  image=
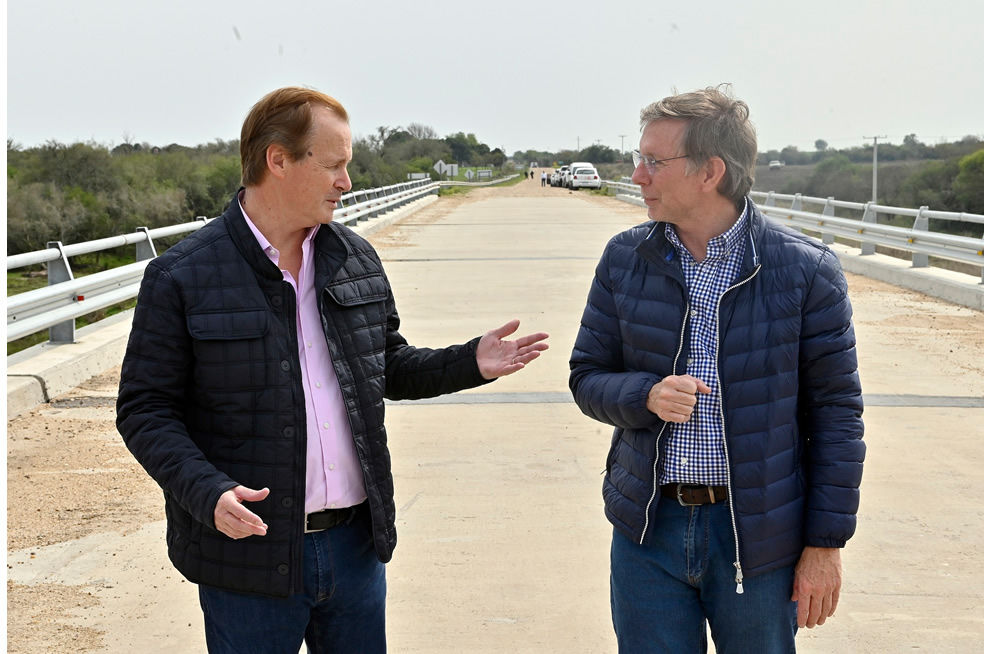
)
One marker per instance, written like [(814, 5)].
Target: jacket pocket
[(354, 291), (225, 326), (357, 307), (232, 354)]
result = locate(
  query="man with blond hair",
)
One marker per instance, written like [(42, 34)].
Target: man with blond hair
[(252, 392), (720, 347)]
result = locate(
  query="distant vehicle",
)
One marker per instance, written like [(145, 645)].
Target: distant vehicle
[(557, 179), (585, 178), (775, 165), (566, 181)]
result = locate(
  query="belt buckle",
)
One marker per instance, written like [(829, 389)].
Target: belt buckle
[(679, 494), (307, 522)]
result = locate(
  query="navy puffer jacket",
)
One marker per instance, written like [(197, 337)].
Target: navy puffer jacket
[(211, 394), (788, 371)]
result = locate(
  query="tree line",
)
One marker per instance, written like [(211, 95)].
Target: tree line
[(911, 149), (950, 178), (84, 191)]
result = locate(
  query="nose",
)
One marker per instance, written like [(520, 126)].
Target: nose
[(640, 175), (344, 182)]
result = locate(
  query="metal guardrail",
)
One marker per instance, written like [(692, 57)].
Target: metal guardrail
[(66, 298), (917, 239)]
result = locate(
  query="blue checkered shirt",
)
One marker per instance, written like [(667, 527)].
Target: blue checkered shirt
[(695, 449)]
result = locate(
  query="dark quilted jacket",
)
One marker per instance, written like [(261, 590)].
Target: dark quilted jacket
[(788, 370), (211, 395)]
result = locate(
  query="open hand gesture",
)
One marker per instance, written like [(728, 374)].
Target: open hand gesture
[(497, 357)]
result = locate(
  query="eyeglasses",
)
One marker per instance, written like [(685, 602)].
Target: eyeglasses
[(652, 165)]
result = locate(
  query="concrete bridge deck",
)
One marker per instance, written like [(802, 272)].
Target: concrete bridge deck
[(503, 544)]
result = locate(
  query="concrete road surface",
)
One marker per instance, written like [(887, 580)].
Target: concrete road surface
[(503, 546)]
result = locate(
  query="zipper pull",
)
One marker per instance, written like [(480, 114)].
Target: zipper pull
[(738, 578)]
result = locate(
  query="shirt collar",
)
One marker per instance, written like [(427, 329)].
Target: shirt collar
[(272, 253), (719, 247)]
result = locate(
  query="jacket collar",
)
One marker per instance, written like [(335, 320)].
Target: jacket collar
[(332, 249), (658, 249)]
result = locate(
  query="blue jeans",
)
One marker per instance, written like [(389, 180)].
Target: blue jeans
[(662, 594), (341, 609)]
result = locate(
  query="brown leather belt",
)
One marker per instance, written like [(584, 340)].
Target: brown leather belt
[(328, 518), (693, 494)]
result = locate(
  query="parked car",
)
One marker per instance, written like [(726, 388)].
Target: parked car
[(585, 178), (570, 171), (557, 179), (775, 165)]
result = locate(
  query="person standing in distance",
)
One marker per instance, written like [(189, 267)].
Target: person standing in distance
[(720, 347), (252, 392)]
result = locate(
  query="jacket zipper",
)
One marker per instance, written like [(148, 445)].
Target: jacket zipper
[(724, 431), (676, 359)]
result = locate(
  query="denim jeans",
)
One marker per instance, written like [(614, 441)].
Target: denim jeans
[(663, 593), (341, 609)]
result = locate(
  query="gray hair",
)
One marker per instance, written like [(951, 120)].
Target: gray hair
[(717, 126)]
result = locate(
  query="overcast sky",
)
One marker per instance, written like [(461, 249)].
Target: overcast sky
[(545, 74)]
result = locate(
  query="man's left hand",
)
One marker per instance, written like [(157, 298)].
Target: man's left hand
[(817, 585), (497, 357)]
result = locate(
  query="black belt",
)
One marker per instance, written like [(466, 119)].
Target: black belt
[(693, 494), (328, 518)]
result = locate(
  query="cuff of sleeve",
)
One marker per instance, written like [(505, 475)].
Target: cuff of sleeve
[(825, 542), (469, 365), (634, 397)]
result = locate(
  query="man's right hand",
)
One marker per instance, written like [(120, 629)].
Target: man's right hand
[(235, 520), (674, 398)]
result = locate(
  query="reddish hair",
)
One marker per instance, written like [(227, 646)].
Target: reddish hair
[(282, 117)]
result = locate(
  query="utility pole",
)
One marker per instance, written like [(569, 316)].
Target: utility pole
[(579, 144), (874, 168), (621, 152)]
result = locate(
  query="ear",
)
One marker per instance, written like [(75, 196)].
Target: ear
[(276, 160), (711, 173)]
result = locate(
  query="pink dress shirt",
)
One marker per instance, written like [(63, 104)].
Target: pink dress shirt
[(334, 474)]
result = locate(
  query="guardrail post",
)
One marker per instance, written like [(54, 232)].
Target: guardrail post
[(922, 225), (375, 211), (870, 216), (60, 271), (146, 249), (828, 210), (770, 199), (365, 198)]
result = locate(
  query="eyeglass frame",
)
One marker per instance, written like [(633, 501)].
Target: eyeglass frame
[(650, 163)]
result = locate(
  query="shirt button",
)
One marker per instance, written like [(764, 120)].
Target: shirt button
[(318, 384), (683, 461), (331, 466), (333, 505), (327, 425), (308, 343), (694, 312)]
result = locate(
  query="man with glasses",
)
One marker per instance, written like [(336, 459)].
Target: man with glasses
[(720, 347)]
